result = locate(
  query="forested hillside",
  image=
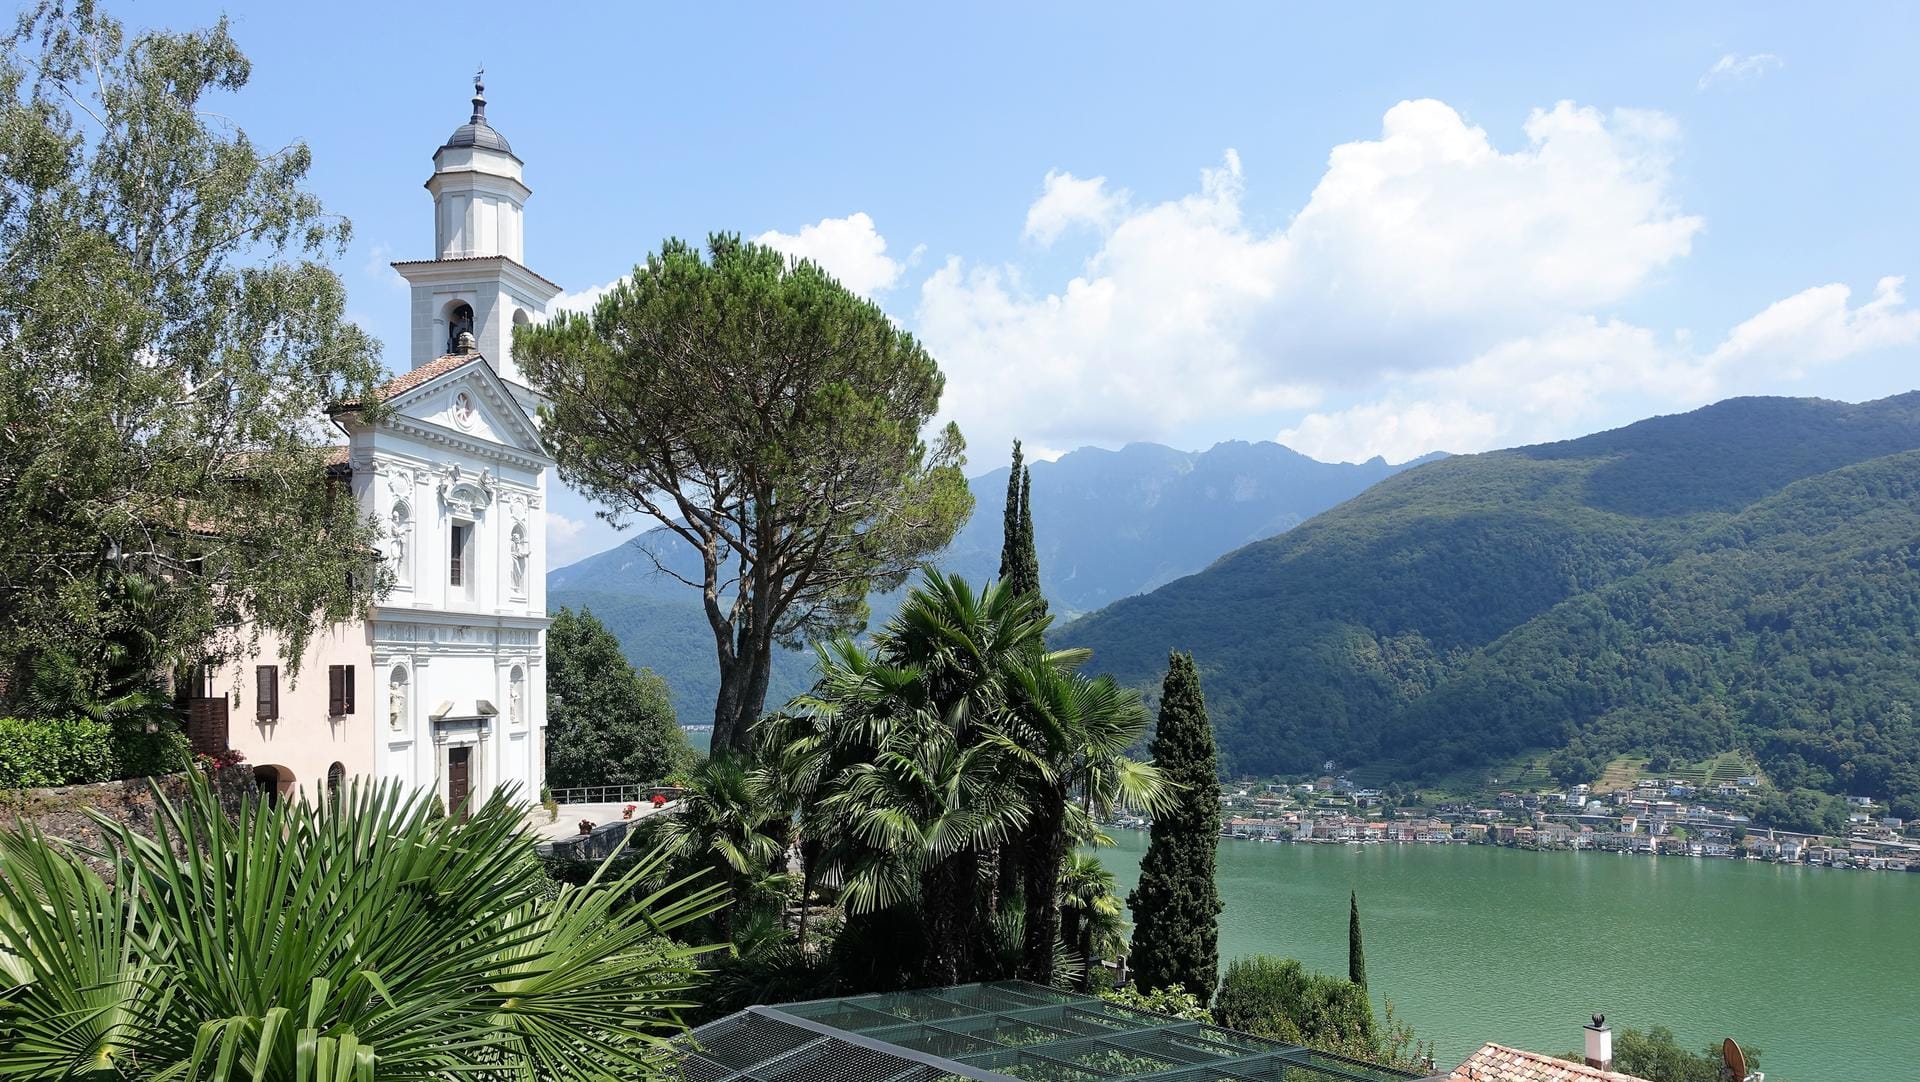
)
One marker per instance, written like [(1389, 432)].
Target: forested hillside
[(1107, 524), (1743, 576)]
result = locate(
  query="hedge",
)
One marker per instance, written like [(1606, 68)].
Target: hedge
[(68, 751)]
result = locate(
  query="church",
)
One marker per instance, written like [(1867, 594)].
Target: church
[(443, 685)]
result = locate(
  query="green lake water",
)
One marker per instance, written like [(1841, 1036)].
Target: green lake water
[(1819, 968)]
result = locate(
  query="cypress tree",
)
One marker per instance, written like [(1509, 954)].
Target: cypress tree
[(1027, 574), (1176, 907), (1356, 953), (1019, 559), (1010, 558)]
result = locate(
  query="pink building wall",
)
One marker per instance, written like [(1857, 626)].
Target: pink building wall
[(303, 743)]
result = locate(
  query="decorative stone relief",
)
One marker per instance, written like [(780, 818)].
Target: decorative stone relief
[(462, 494)]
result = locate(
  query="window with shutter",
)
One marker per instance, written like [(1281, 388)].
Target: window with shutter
[(336, 691), (266, 692), (349, 695)]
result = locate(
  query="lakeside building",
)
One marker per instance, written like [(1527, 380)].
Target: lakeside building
[(443, 683), (1570, 820)]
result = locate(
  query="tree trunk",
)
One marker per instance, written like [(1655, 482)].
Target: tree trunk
[(1046, 853), (1086, 952), (949, 893), (1013, 861), (743, 693)]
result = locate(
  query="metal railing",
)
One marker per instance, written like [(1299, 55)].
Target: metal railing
[(615, 794)]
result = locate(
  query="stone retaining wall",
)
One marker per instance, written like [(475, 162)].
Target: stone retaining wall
[(64, 811)]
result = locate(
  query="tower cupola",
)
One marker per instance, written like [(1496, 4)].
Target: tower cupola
[(476, 289), (478, 192)]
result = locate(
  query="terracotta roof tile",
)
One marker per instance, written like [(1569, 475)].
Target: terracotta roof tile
[(1498, 1063), (407, 381)]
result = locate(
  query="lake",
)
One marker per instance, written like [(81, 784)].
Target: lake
[(1817, 967)]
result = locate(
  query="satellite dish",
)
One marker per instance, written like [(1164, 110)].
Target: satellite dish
[(1736, 1060)]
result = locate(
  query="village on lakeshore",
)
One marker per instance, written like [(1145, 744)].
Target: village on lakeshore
[(1652, 815)]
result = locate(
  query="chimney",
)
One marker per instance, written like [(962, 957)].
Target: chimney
[(1600, 1044)]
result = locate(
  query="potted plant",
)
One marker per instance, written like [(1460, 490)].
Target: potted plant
[(659, 800), (586, 826), (627, 812)]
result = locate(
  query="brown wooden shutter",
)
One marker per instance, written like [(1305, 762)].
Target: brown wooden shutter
[(349, 695), (207, 724), (267, 692), (336, 690)]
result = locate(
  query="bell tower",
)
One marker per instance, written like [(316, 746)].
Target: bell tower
[(476, 283)]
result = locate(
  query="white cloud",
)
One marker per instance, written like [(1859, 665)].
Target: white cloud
[(1588, 373), (1732, 67), (379, 267), (1067, 200), (849, 248), (564, 538), (1417, 250), (1815, 327), (584, 300)]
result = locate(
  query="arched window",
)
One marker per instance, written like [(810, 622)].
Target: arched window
[(336, 779), (459, 322)]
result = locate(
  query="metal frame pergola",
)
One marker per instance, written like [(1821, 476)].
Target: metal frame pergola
[(1004, 1031)]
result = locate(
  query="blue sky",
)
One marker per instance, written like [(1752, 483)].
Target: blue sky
[(1361, 232)]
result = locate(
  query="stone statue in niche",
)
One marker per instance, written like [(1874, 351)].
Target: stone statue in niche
[(516, 699), (401, 535), (397, 700), (521, 551)]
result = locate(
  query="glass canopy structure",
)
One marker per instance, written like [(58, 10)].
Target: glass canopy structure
[(998, 1032)]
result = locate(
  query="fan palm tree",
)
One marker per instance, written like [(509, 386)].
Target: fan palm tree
[(1091, 919), (725, 823), (1071, 732), (355, 940), (905, 792)]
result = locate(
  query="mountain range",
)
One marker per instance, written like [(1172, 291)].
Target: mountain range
[(1107, 525), (1742, 577)]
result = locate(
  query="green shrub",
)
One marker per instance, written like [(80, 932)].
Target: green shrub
[(1656, 1055), (67, 751), (138, 753), (1279, 998), (1173, 999)]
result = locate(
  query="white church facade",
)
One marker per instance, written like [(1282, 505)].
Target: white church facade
[(443, 684)]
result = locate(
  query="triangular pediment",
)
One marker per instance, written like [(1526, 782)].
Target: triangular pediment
[(470, 400)]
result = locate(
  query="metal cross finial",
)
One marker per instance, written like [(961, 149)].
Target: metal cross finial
[(480, 95)]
